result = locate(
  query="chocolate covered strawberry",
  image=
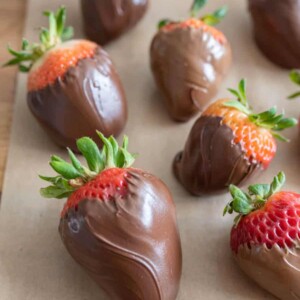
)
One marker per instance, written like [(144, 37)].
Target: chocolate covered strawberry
[(189, 60), (276, 29), (119, 223), (266, 236), (228, 143), (106, 20), (73, 87)]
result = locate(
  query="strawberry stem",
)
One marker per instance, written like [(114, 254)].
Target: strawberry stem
[(267, 119), (49, 38), (71, 176), (258, 194)]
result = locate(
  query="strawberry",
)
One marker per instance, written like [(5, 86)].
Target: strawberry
[(118, 223), (265, 237), (228, 143), (71, 80), (106, 20), (189, 60), (276, 30)]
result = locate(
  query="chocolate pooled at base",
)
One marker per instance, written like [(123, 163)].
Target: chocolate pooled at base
[(276, 26), (105, 20), (211, 160), (129, 245), (89, 97), (188, 66)]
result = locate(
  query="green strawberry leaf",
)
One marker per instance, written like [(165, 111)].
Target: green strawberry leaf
[(49, 38), (294, 96), (261, 190), (285, 123), (295, 76), (65, 169), (75, 162), (196, 7), (163, 23), (92, 154), (216, 17), (221, 12), (54, 192), (277, 183), (67, 34), (238, 105)]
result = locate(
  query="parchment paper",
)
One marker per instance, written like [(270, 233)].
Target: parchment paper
[(33, 261)]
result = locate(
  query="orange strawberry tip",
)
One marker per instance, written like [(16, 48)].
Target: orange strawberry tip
[(257, 144), (57, 61), (169, 26)]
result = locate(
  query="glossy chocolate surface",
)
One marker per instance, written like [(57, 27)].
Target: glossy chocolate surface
[(277, 270), (105, 20), (277, 30), (188, 66), (90, 97), (211, 160), (130, 246)]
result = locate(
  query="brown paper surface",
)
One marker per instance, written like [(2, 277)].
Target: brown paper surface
[(33, 262)]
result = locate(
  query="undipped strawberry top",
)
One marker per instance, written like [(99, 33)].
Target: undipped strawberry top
[(73, 87), (265, 239), (189, 60), (228, 143), (119, 223)]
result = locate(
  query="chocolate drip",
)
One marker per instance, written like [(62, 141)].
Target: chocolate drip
[(277, 30), (211, 160), (129, 245), (89, 97), (105, 20), (188, 66)]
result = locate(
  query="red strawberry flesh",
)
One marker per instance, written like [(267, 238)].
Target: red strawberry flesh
[(278, 222), (108, 184)]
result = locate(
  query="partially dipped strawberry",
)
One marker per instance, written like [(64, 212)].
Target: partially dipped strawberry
[(119, 223), (189, 60), (266, 236), (73, 87), (228, 143)]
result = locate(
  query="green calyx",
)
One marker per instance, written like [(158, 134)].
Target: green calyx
[(294, 77), (211, 19), (71, 176), (258, 194), (49, 38), (268, 119)]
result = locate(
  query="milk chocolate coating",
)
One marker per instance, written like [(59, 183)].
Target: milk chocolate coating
[(211, 161), (277, 30), (277, 270), (188, 66), (130, 246), (105, 20), (89, 97)]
